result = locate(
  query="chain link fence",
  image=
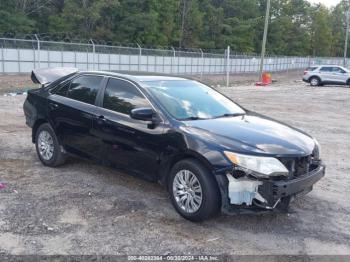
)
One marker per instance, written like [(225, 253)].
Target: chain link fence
[(24, 55)]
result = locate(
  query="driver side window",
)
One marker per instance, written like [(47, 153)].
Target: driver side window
[(338, 70), (121, 96)]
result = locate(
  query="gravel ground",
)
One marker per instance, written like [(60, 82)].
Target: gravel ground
[(82, 208), (14, 83)]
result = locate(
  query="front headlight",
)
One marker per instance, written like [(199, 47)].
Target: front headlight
[(317, 150), (261, 166)]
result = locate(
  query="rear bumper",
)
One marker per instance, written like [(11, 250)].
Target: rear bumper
[(306, 80), (273, 192), (29, 113)]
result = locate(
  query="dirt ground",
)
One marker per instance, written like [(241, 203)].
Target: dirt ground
[(82, 208)]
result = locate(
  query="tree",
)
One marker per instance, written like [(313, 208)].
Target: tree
[(296, 26), (338, 26), (191, 23), (321, 33), (289, 32)]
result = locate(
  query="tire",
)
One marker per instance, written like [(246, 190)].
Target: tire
[(210, 203), (47, 146), (315, 81), (348, 83)]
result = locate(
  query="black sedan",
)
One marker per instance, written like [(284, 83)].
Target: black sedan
[(211, 153)]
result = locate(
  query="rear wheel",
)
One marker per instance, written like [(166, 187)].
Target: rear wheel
[(47, 146), (315, 81), (193, 190)]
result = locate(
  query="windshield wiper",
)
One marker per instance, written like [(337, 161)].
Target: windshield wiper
[(223, 115), (192, 118), (230, 115)]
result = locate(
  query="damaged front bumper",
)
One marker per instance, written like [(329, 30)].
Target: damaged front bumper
[(248, 195)]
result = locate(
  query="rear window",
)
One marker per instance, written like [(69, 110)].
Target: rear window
[(311, 68), (326, 69)]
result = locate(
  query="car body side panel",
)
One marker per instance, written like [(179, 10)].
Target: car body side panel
[(325, 76), (340, 77), (128, 143), (72, 122), (35, 109)]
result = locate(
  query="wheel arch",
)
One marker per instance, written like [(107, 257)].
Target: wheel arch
[(36, 125), (315, 76), (168, 164)]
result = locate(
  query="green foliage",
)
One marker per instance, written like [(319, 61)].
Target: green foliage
[(296, 27), (321, 31)]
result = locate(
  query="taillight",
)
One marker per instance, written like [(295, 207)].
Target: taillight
[(305, 72)]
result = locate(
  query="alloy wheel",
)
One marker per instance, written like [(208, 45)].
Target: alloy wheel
[(45, 145), (187, 191), (314, 82)]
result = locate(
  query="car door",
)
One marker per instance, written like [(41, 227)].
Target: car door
[(339, 75), (127, 143), (326, 74), (71, 110)]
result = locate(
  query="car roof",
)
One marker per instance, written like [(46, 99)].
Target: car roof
[(326, 65), (138, 77)]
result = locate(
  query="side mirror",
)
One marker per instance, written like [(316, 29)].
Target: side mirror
[(142, 113)]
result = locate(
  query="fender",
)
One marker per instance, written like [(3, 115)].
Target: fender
[(187, 147)]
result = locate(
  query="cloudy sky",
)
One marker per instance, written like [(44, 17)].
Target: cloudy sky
[(328, 3)]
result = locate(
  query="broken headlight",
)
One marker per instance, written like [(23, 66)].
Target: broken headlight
[(258, 166)]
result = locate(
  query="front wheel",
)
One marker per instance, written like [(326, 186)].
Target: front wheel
[(348, 83), (193, 190), (47, 146)]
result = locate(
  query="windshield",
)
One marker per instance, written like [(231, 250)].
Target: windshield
[(191, 100)]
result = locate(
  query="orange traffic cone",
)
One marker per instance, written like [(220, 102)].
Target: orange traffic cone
[(265, 80)]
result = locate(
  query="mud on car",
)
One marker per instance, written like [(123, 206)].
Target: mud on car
[(211, 153)]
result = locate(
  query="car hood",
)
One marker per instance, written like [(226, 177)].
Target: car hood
[(252, 134)]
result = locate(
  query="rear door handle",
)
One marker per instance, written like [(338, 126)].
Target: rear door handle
[(101, 119)]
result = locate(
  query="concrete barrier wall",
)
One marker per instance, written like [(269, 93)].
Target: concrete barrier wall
[(23, 60)]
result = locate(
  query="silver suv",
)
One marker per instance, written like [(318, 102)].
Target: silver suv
[(327, 74)]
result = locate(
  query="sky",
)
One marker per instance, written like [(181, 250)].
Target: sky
[(327, 3)]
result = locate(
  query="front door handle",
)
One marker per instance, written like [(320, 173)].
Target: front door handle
[(53, 105)]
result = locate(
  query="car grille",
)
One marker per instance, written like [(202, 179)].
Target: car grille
[(299, 166)]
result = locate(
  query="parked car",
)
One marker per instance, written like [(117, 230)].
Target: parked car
[(327, 75), (210, 153)]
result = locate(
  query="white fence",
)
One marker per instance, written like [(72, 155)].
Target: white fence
[(21, 56)]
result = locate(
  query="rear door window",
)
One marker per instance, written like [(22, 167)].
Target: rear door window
[(84, 88), (122, 96), (326, 69)]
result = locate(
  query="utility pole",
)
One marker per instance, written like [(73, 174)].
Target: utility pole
[(228, 66), (267, 15), (183, 17), (346, 35), (38, 47)]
